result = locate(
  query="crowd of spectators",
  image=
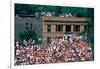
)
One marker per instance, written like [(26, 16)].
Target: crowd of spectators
[(60, 50), (49, 14)]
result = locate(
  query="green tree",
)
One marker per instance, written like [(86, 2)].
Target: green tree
[(31, 9), (28, 34), (89, 30)]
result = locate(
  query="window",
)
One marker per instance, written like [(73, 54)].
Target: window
[(48, 28), (48, 39), (76, 28), (85, 27), (59, 28), (31, 26), (26, 26), (68, 28)]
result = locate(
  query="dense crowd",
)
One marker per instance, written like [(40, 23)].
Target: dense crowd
[(49, 14), (59, 50)]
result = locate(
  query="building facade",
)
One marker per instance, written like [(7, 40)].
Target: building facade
[(58, 26), (48, 27), (23, 23)]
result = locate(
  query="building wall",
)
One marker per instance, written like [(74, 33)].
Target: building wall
[(41, 26), (20, 25), (53, 32)]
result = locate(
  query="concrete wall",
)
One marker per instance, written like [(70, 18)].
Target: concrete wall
[(20, 25)]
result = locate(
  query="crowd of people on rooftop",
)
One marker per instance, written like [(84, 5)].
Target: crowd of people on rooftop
[(60, 50), (48, 14)]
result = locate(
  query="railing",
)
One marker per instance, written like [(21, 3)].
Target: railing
[(65, 18)]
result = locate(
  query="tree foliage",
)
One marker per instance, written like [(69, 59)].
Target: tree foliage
[(28, 34), (31, 9)]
